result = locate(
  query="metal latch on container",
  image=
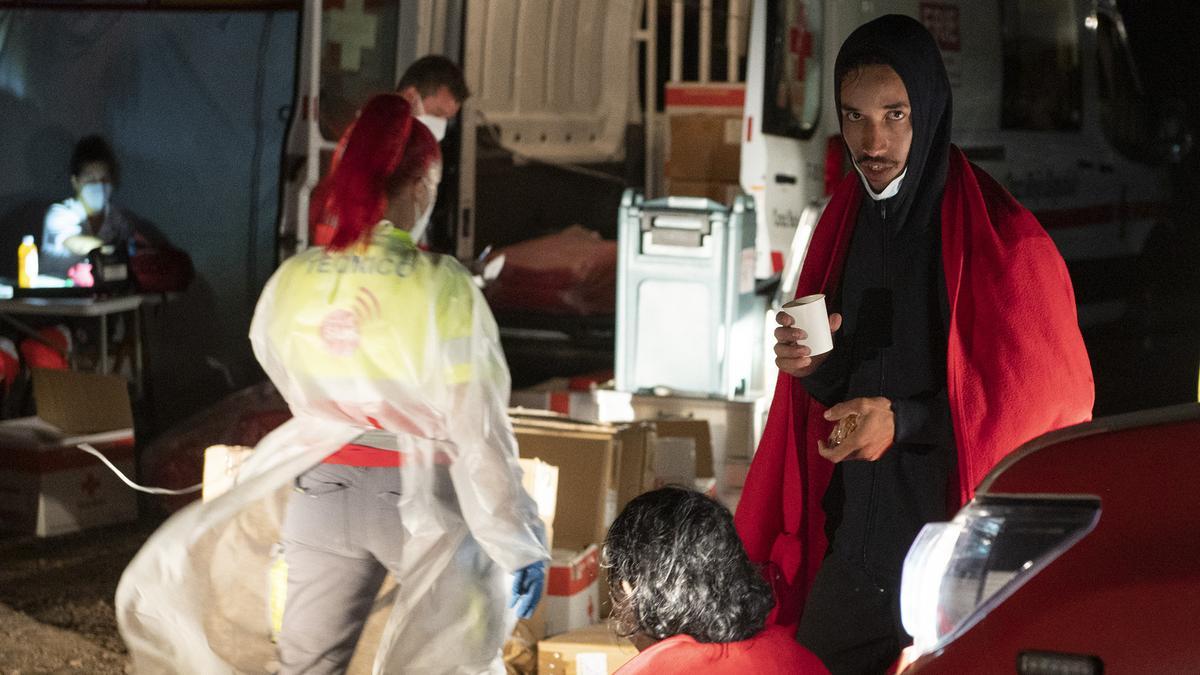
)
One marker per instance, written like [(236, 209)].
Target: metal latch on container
[(677, 228)]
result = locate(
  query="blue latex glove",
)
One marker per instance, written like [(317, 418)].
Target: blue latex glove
[(527, 589)]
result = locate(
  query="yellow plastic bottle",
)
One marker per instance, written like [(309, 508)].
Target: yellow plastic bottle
[(27, 262)]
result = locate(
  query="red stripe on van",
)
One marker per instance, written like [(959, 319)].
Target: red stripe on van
[(706, 96)]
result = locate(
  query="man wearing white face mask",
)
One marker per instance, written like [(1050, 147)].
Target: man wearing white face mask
[(423, 212), (89, 219), (434, 86)]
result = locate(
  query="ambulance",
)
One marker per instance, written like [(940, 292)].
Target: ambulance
[(576, 98)]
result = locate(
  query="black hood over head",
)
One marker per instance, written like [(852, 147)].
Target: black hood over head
[(904, 44)]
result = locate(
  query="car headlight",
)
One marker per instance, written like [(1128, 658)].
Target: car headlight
[(956, 572)]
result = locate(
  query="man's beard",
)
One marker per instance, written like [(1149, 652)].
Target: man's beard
[(886, 163)]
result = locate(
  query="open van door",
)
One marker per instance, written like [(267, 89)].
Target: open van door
[(786, 81), (349, 51), (552, 82)]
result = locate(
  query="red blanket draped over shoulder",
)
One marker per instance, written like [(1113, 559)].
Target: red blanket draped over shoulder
[(1016, 368)]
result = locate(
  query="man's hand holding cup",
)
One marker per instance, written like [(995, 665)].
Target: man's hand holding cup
[(804, 338)]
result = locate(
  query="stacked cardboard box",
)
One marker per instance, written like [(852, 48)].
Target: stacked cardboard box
[(734, 426), (592, 650), (48, 486), (601, 468), (576, 398), (588, 458), (705, 142)]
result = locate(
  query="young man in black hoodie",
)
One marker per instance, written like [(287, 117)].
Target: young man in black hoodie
[(924, 372), (889, 369)]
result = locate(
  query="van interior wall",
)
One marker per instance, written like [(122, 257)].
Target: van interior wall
[(518, 200), (194, 105)]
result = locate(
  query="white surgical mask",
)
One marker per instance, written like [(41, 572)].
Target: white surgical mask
[(436, 124), (888, 192), (95, 196), (421, 223)]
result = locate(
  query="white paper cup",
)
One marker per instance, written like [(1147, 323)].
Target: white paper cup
[(808, 313)]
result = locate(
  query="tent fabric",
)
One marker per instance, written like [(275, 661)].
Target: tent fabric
[(195, 105)]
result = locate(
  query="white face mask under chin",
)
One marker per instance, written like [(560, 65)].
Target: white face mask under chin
[(437, 125), (888, 192)]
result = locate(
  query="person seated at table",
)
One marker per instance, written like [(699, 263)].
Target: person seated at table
[(688, 597), (89, 219)]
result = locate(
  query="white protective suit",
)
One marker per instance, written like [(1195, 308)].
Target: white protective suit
[(383, 337)]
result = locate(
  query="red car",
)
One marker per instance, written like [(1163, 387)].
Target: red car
[(1079, 554)]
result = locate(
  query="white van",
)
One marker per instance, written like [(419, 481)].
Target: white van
[(1046, 99)]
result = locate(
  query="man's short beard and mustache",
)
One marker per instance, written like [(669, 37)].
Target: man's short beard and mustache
[(862, 161)]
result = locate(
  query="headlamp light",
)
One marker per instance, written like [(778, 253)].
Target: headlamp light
[(956, 572)]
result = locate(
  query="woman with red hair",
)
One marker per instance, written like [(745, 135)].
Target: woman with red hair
[(400, 454)]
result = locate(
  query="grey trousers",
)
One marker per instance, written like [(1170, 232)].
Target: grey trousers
[(341, 535)]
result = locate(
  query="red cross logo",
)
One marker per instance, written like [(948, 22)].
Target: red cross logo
[(800, 43), (90, 485), (352, 30)]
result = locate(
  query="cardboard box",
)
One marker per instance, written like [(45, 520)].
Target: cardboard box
[(734, 425), (693, 435), (736, 471), (540, 480), (578, 402), (577, 405), (632, 471), (48, 486), (734, 428), (587, 457), (594, 650), (705, 146), (572, 596), (221, 466), (636, 472), (520, 649), (722, 192), (674, 462)]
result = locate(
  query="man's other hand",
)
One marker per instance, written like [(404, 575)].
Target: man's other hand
[(793, 358), (873, 434)]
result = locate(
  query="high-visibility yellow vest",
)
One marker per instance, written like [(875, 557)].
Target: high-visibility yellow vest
[(383, 311)]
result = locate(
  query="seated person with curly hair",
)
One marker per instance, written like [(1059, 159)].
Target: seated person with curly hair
[(688, 597)]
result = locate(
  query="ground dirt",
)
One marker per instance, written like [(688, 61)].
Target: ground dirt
[(56, 601)]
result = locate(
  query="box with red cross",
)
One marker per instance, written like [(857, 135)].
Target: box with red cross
[(572, 596), (48, 485)]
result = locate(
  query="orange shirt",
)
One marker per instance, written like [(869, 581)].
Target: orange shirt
[(774, 651)]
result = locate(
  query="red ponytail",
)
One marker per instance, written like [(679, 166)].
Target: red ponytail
[(385, 148)]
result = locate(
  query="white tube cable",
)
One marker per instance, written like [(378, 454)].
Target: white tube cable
[(151, 490)]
